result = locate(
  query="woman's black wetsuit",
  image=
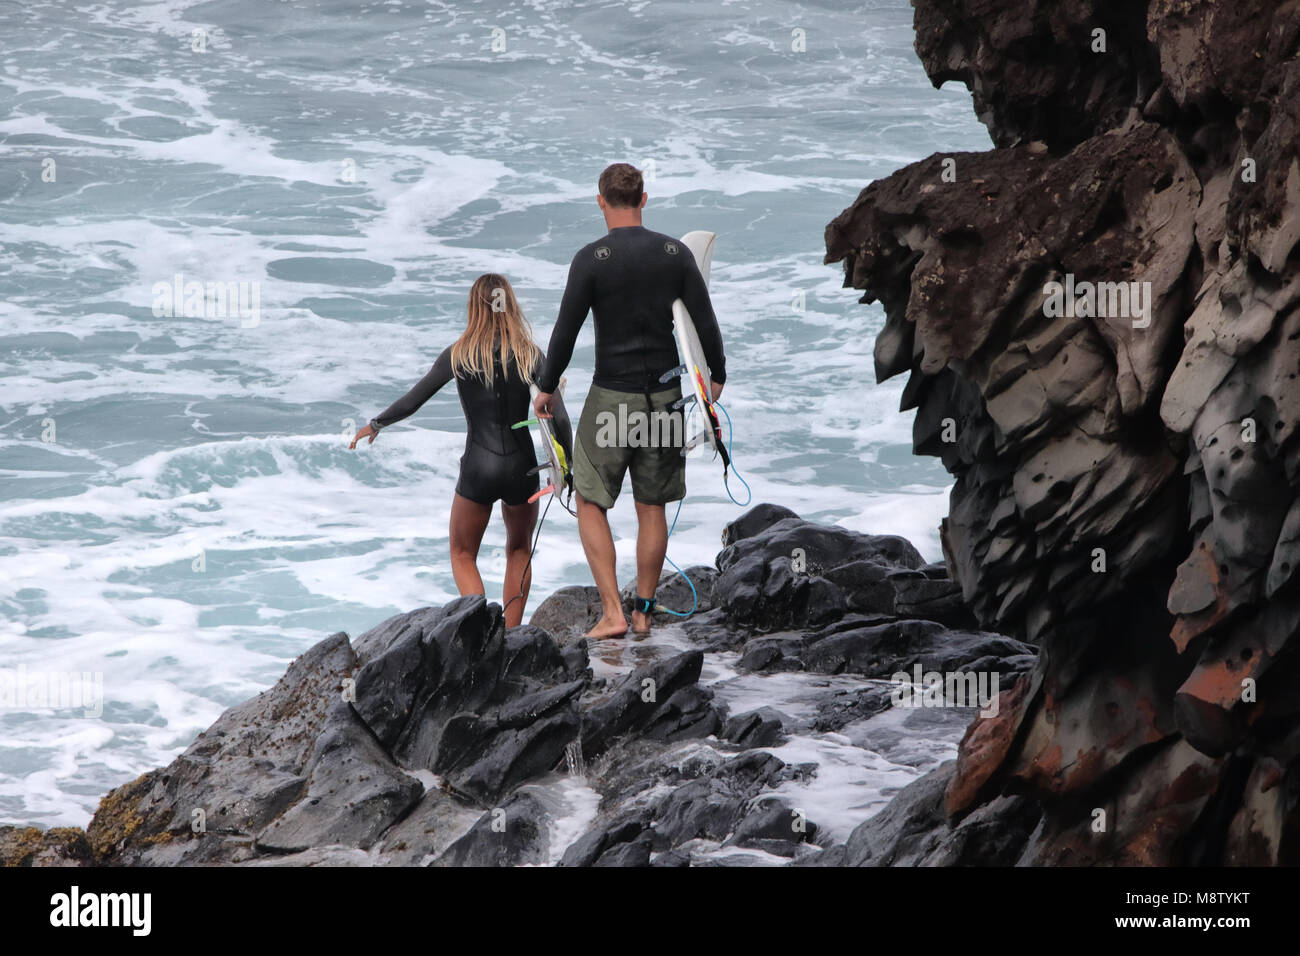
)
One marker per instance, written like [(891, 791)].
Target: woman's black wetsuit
[(497, 458)]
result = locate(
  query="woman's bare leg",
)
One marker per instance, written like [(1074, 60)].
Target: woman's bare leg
[(520, 521), (469, 520)]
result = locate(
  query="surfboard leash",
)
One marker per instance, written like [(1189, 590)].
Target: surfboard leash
[(537, 537), (749, 492), (731, 460), (695, 597)]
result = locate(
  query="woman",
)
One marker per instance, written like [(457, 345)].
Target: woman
[(493, 362)]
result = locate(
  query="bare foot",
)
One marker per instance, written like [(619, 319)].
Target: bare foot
[(640, 623), (608, 627)]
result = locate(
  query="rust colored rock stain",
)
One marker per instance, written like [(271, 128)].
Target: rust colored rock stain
[(984, 748)]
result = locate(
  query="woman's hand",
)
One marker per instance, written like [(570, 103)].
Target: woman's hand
[(716, 389), (367, 430), (542, 405)]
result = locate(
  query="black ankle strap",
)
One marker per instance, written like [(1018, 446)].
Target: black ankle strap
[(643, 605)]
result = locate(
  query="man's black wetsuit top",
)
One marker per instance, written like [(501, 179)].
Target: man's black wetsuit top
[(629, 280), (497, 458)]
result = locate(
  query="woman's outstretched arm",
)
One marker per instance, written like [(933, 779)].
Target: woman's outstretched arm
[(406, 406), (409, 404)]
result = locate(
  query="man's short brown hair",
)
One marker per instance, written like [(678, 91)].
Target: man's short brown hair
[(621, 185)]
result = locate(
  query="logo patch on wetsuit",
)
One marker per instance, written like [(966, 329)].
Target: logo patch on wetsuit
[(602, 252), (670, 248)]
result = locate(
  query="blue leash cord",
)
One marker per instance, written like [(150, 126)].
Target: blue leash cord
[(730, 435), (695, 597)]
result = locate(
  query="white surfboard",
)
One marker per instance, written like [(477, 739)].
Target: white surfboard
[(554, 464), (695, 366)]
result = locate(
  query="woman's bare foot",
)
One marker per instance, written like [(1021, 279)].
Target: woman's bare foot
[(640, 624), (608, 627)]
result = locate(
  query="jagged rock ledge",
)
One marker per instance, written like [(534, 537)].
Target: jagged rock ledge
[(425, 741)]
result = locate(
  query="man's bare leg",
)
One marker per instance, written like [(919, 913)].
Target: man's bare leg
[(651, 546), (598, 543)]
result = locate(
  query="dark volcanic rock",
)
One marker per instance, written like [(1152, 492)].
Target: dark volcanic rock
[(781, 572), (876, 648), (675, 802), (568, 614), (1127, 480), (918, 595), (882, 650), (772, 826), (757, 728), (454, 694), (635, 853), (712, 806), (328, 758), (515, 833), (754, 521), (437, 821), (688, 713), (595, 843), (714, 631), (240, 774), (844, 708), (354, 790), (670, 858), (913, 830), (1061, 88), (531, 652), (648, 698), (432, 739), (485, 757), (463, 655)]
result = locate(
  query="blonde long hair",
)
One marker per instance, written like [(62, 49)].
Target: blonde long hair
[(496, 324)]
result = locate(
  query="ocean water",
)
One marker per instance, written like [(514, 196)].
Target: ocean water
[(179, 511)]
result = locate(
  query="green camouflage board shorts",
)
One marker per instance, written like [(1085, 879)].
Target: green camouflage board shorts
[(630, 431)]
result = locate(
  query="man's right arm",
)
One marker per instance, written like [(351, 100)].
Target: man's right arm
[(574, 307)]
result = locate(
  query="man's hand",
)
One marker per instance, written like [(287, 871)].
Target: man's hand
[(367, 430), (542, 404), (716, 389)]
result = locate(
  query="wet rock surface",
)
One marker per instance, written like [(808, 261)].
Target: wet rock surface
[(439, 738), (1126, 479)]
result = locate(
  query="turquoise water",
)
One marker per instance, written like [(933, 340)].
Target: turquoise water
[(179, 510)]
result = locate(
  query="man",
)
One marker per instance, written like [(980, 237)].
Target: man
[(628, 279)]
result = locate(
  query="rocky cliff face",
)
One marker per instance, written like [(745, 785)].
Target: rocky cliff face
[(1126, 471)]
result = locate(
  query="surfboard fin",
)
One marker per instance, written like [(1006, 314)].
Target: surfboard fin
[(682, 402), (673, 373), (694, 442)]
